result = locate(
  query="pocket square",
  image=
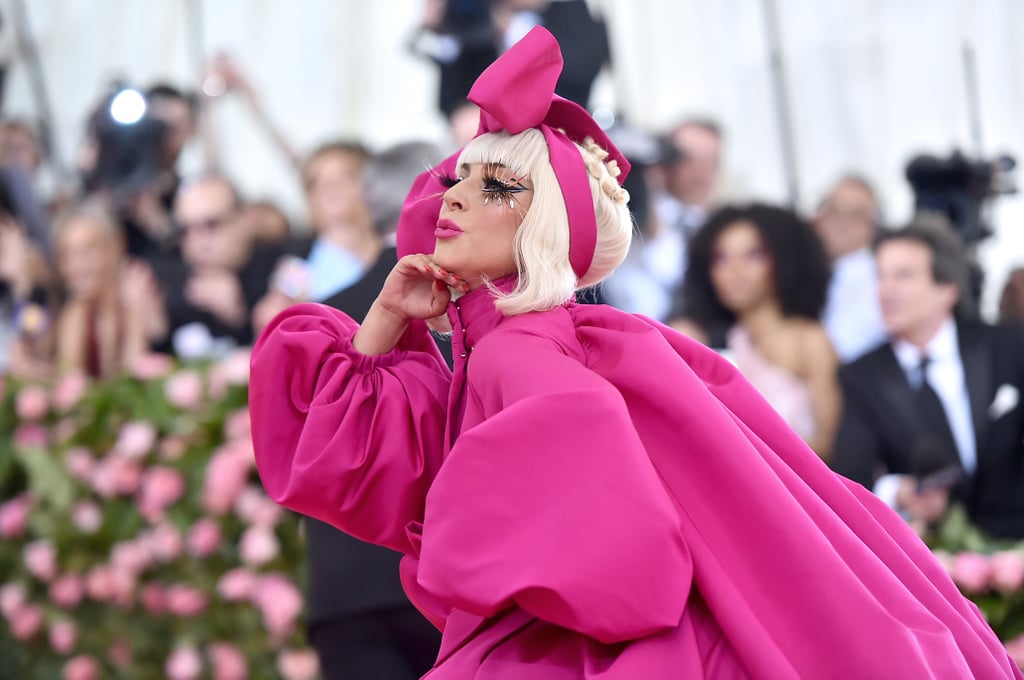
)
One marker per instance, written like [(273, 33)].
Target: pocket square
[(1006, 399)]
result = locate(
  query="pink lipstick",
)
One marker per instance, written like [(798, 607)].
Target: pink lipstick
[(447, 229)]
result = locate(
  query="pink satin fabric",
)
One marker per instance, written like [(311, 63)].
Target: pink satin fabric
[(593, 495)]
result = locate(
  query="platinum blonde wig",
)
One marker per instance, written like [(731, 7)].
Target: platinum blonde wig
[(546, 278)]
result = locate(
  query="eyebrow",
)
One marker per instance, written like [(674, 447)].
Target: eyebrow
[(465, 166)]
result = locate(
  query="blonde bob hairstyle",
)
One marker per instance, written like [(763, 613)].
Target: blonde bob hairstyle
[(546, 278)]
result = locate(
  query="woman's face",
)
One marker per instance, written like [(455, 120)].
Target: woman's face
[(87, 258), (334, 191), (741, 268), (478, 222)]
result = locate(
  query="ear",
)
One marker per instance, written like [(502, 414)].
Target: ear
[(950, 295)]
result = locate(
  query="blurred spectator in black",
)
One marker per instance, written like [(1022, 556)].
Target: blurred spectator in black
[(1011, 301), (343, 245), (755, 286), (582, 38), (459, 36), (25, 324), (360, 620), (134, 166), (265, 223), (935, 414), (846, 222), (19, 147), (684, 181), (210, 295), (109, 305)]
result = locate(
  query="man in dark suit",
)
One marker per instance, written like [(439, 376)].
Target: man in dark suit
[(934, 414)]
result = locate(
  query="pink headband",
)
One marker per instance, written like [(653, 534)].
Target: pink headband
[(516, 93)]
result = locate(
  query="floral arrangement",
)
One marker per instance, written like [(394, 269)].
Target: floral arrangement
[(135, 538), (988, 571)]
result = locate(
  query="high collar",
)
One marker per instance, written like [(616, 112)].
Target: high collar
[(474, 315)]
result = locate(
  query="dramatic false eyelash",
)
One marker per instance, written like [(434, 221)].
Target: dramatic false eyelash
[(493, 186)]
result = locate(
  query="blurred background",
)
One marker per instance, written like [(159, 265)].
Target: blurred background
[(867, 84)]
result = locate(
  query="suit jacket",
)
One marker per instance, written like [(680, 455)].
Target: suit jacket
[(880, 423)]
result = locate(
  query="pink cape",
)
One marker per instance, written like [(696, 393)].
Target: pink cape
[(593, 495)]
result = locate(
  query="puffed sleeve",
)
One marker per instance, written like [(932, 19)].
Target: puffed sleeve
[(347, 438), (552, 504)]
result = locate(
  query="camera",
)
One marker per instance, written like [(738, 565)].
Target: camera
[(130, 144), (957, 187)]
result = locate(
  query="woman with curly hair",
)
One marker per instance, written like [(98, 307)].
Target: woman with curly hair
[(755, 287)]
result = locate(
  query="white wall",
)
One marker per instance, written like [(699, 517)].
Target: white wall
[(870, 81)]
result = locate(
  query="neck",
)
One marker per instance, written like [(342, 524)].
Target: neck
[(760, 319), (920, 337)]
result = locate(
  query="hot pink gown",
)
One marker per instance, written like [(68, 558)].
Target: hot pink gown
[(591, 495)]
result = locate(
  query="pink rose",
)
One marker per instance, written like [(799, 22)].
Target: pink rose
[(258, 546), (81, 667), (226, 476), (14, 516), (63, 636), (216, 383), (131, 556), (253, 507), (237, 585), (184, 600), (120, 653), (122, 581), (99, 583), (25, 621), (184, 390), (1007, 571), (136, 439), (236, 366), (127, 475), (161, 487), (204, 537), (172, 448), (237, 425), (12, 596), (154, 598), (280, 602), (104, 478), (184, 663), (67, 591), (165, 542), (32, 403), (30, 437), (41, 559), (86, 516), (298, 664), (80, 463), (1015, 648), (971, 572), (151, 366), (70, 390), (228, 662)]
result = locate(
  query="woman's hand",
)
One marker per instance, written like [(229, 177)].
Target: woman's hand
[(417, 288)]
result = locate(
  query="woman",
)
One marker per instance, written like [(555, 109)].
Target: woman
[(755, 285), (112, 307), (588, 494)]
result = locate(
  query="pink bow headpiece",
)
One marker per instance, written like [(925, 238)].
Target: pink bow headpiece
[(516, 93)]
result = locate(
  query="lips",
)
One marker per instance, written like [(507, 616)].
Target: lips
[(447, 229)]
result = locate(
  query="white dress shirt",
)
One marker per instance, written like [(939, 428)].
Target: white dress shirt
[(946, 377), (853, 316)]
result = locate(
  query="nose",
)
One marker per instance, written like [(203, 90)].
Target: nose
[(452, 200)]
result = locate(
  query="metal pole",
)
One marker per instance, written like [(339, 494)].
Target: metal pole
[(786, 139)]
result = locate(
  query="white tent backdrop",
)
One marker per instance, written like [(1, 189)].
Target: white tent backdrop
[(870, 82)]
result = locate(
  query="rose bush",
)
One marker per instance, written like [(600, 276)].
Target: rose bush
[(135, 538)]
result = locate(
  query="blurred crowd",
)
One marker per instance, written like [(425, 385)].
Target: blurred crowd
[(864, 338)]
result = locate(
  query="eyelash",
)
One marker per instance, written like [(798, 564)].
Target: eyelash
[(493, 188)]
